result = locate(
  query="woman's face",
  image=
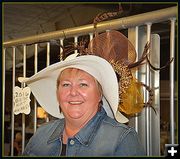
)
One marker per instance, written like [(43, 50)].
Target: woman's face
[(78, 94)]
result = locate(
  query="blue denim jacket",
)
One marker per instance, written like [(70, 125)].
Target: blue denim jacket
[(102, 136)]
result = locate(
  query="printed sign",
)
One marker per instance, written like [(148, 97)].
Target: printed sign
[(21, 100)]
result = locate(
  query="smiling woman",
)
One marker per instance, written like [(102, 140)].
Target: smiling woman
[(86, 94), (79, 99)]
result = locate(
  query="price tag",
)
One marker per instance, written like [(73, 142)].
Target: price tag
[(21, 100)]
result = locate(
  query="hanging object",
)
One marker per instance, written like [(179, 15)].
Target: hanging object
[(21, 99)]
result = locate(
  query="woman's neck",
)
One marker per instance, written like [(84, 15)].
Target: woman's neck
[(72, 127), (69, 131)]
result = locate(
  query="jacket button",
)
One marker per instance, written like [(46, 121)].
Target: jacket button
[(72, 142)]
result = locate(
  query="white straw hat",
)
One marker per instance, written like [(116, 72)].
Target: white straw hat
[(43, 84)]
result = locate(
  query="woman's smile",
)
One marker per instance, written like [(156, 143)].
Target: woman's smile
[(75, 102)]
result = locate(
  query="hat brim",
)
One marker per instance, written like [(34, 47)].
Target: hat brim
[(43, 84)]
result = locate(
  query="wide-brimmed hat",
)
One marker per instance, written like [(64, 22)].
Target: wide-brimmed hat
[(114, 47), (43, 84)]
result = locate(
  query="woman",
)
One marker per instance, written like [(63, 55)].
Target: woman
[(86, 99)]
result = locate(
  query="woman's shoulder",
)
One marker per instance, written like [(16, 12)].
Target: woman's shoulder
[(112, 123), (51, 125), (117, 131)]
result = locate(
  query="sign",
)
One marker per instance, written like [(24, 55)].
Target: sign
[(21, 99)]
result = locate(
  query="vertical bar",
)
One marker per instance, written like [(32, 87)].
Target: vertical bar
[(35, 71), (76, 42), (91, 36), (3, 102), (23, 85), (47, 64), (48, 54), (142, 77), (133, 38), (155, 84), (148, 130), (61, 50), (172, 44), (12, 113), (136, 47)]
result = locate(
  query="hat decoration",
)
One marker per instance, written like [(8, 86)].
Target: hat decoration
[(119, 51)]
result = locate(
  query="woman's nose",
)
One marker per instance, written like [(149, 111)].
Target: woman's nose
[(73, 91)]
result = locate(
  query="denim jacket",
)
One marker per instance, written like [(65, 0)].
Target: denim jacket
[(101, 136)]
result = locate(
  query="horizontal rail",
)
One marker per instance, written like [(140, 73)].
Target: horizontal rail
[(121, 23)]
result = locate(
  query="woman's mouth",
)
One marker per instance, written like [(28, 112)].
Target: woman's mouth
[(75, 102)]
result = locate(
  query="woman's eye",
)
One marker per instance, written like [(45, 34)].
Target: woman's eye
[(65, 85), (83, 85)]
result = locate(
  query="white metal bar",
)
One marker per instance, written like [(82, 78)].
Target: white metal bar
[(91, 36), (76, 42), (154, 84), (23, 115), (121, 23), (48, 54), (35, 71), (3, 95), (12, 113), (136, 47), (172, 45), (61, 50), (148, 137), (47, 64)]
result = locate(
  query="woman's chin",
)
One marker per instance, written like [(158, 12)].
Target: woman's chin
[(75, 114)]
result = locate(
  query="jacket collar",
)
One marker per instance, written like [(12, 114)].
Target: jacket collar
[(57, 133), (85, 135)]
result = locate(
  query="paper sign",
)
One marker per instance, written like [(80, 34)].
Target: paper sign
[(21, 100)]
